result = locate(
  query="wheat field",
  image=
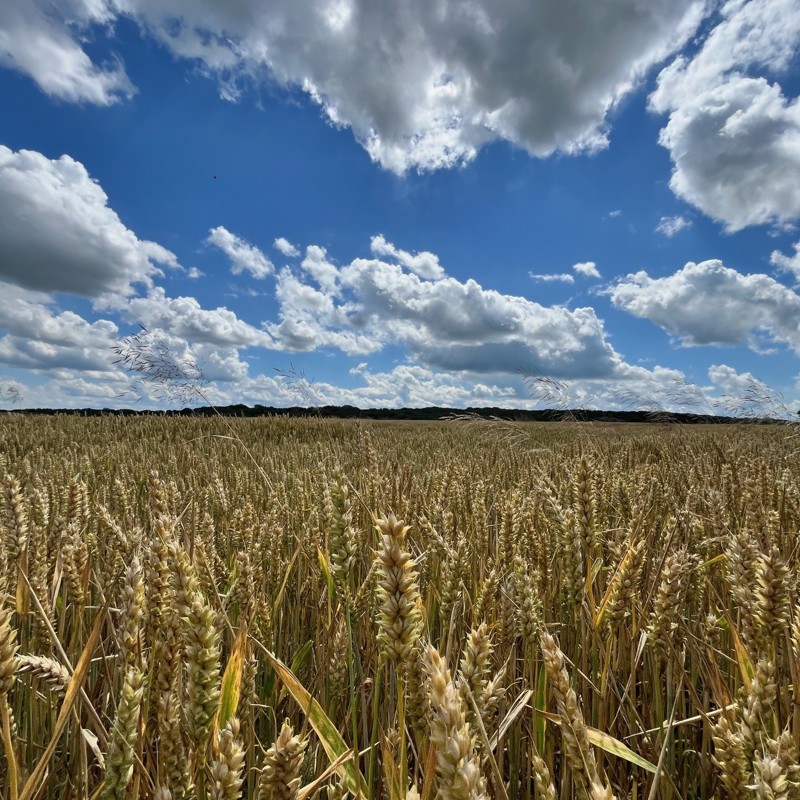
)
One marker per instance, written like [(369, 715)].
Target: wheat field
[(276, 608)]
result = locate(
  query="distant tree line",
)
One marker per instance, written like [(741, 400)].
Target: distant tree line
[(421, 414)]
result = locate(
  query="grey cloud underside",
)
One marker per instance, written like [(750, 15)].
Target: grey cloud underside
[(38, 336), (40, 40), (186, 318), (733, 134), (711, 304), (425, 85), (422, 84), (366, 305), (592, 361), (30, 354), (58, 234), (790, 264)]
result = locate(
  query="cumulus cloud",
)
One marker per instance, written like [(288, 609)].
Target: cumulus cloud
[(221, 364), (409, 385), (669, 226), (68, 388), (744, 395), (185, 318), (363, 306), (405, 385), (733, 136), (421, 85), (321, 269), (285, 247), (44, 41), (563, 277), (587, 268), (244, 256), (790, 264), (727, 379), (184, 372), (58, 233), (415, 386), (311, 319), (424, 264), (39, 337), (28, 315), (755, 310)]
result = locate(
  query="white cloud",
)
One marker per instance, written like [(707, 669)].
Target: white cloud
[(790, 264), (321, 269), (730, 381), (406, 385), (187, 368), (587, 268), (424, 264), (310, 319), (733, 136), (669, 226), (28, 315), (185, 318), (220, 363), (44, 40), (742, 394), (244, 256), (634, 388), (57, 232), (67, 388), (194, 273), (617, 212), (39, 337), (421, 85), (563, 277), (417, 387), (747, 309), (285, 247), (365, 305)]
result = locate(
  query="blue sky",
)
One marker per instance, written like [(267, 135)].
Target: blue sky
[(409, 204)]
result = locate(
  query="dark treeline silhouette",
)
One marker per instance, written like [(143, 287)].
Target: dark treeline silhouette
[(429, 413)]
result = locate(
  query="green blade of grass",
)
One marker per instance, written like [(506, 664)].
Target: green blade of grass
[(539, 704)]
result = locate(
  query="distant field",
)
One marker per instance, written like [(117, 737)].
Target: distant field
[(201, 608)]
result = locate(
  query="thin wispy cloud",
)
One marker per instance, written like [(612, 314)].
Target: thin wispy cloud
[(561, 277), (669, 226)]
